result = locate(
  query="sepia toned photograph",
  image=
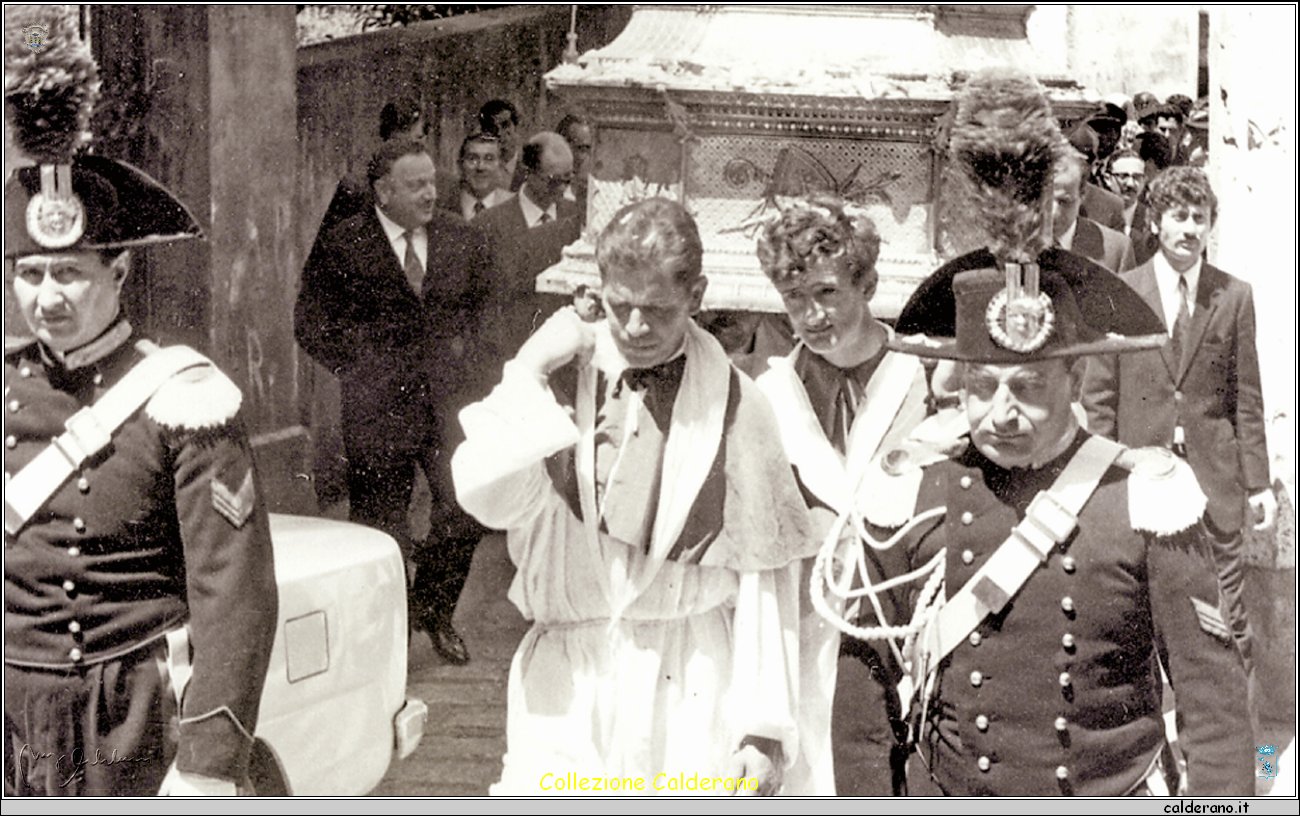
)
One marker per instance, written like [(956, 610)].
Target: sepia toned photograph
[(529, 401)]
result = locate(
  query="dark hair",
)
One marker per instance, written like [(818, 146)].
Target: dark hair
[(1085, 142), (1155, 148), (1160, 112), (398, 115), (817, 229), (487, 114), (571, 120), (530, 156), (1181, 187), (387, 155), (654, 233), (485, 138), (1181, 103)]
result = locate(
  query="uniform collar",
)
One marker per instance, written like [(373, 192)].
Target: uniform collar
[(94, 351)]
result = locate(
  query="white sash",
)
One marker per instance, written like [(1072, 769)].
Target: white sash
[(694, 438)]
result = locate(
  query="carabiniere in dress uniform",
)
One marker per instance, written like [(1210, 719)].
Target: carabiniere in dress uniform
[(140, 597), (1063, 571)]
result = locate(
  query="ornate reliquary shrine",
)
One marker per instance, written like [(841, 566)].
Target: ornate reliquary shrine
[(731, 109)]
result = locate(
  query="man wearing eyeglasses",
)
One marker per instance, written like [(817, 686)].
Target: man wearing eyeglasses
[(527, 235), (480, 169)]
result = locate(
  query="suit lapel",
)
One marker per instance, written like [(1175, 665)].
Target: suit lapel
[(385, 261), (1087, 240), (1209, 292), (1143, 280)]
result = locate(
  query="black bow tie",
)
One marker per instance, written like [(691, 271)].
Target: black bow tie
[(666, 373)]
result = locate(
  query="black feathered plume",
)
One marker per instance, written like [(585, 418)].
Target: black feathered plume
[(1004, 144), (50, 93)]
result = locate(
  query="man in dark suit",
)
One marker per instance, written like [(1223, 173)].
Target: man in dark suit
[(389, 302), (1083, 236), (1200, 393), (528, 234)]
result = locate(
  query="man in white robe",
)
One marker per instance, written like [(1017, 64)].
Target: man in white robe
[(656, 527), (840, 397)]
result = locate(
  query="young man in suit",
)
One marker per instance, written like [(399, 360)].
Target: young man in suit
[(1075, 233), (527, 234), (1200, 393), (390, 301)]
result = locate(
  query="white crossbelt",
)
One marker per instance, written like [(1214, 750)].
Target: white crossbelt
[(1049, 521), (89, 431)]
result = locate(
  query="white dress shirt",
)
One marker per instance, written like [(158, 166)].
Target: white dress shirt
[(397, 240), (468, 200), (532, 212), (1167, 283)]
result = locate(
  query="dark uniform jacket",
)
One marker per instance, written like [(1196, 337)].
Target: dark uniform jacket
[(394, 352), (163, 526), (1059, 694)]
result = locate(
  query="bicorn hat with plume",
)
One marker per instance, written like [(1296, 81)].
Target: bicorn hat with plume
[(1016, 300), (70, 200)]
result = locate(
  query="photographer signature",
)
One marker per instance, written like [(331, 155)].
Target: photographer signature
[(71, 767)]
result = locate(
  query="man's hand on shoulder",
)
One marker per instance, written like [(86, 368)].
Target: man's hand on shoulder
[(560, 339)]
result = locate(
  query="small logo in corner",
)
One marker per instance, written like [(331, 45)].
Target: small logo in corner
[(1266, 758), (36, 35)]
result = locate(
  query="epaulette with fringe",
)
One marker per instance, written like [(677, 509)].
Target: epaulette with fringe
[(1164, 497), (893, 481), (197, 398)]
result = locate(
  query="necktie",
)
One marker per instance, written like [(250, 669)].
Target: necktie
[(411, 264), (544, 218), (847, 399), (479, 206), (1183, 323)]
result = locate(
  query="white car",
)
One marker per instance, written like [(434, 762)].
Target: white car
[(334, 707)]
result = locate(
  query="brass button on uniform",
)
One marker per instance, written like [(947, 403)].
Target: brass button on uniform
[(11, 442), (1067, 641), (967, 557), (24, 372), (967, 517), (74, 627), (976, 679), (965, 483), (74, 552), (1064, 679), (1062, 772), (83, 484), (69, 587), (982, 722), (1060, 724), (984, 763), (975, 638), (1067, 604), (79, 525), (74, 654), (1069, 564), (98, 379), (14, 406)]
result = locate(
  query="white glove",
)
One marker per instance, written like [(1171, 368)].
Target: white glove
[(182, 783)]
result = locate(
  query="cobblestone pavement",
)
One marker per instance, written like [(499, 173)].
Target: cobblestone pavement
[(464, 738)]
